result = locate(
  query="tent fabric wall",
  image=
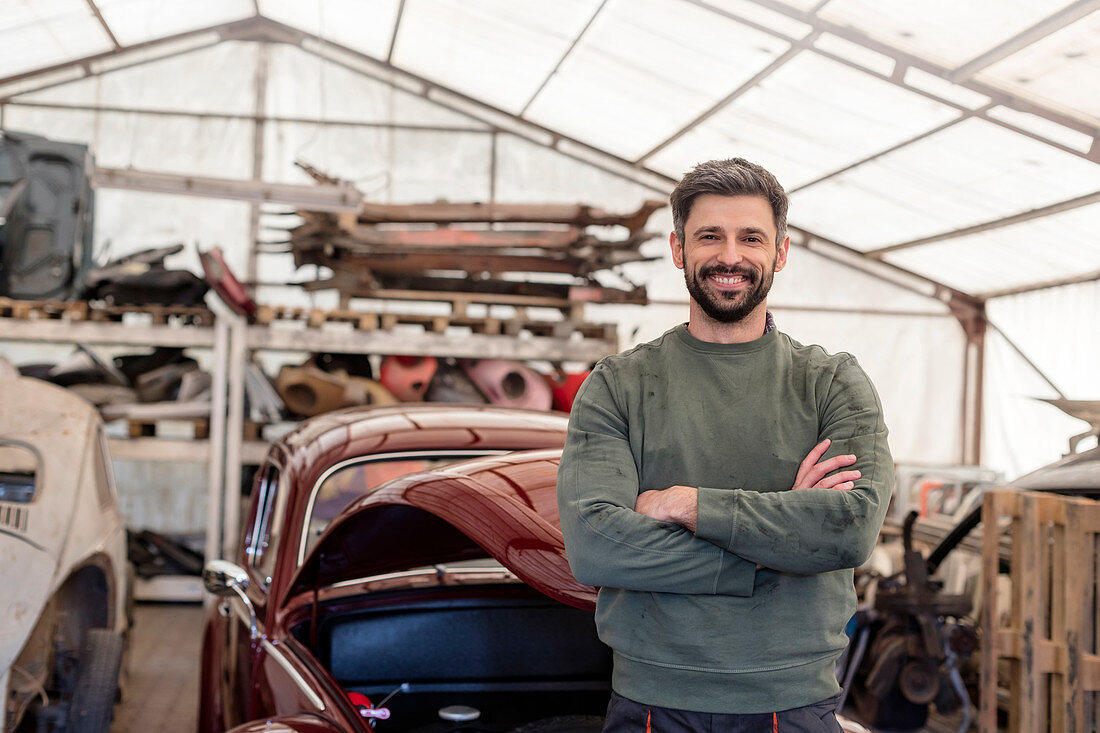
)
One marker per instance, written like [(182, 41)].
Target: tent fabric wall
[(907, 341)]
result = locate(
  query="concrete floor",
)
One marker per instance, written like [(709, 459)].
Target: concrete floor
[(162, 683)]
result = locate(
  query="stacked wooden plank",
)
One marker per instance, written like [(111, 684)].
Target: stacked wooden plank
[(492, 253)]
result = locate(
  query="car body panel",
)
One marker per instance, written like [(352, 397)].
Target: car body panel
[(73, 520), (505, 504), (247, 678)]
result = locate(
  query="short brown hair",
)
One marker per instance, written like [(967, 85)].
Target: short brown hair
[(732, 177)]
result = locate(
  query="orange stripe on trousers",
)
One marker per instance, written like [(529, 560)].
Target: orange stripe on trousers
[(648, 718)]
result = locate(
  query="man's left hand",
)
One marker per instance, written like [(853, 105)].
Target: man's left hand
[(676, 504)]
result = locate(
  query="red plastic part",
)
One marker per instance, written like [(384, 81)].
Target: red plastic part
[(408, 377), (564, 387), (225, 284)]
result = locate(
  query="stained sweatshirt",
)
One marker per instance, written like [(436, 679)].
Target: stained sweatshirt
[(692, 622)]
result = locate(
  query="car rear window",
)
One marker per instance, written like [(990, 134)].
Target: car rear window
[(337, 489)]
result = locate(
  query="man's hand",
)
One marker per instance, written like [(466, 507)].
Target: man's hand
[(676, 504), (814, 475)]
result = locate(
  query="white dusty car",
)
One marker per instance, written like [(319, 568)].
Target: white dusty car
[(64, 576)]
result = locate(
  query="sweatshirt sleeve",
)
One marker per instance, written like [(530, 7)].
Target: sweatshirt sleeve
[(606, 541), (813, 530)]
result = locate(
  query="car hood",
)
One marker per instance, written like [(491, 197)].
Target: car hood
[(502, 506)]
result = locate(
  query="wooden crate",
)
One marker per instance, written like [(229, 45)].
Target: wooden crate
[(1044, 642)]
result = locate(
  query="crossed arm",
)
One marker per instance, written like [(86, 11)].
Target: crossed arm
[(665, 541)]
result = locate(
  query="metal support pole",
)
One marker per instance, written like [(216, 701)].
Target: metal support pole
[(238, 355), (971, 317), (263, 63), (215, 467)]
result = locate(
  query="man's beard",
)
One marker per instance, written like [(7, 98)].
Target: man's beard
[(728, 307)]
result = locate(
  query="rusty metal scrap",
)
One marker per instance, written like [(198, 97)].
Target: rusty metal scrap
[(455, 213), (400, 249)]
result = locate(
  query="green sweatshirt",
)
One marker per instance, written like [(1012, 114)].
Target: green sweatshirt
[(693, 624)]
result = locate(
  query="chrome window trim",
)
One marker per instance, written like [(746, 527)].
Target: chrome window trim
[(373, 458)]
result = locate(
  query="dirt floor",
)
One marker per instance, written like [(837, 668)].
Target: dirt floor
[(162, 684)]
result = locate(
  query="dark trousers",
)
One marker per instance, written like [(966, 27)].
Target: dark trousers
[(626, 716)]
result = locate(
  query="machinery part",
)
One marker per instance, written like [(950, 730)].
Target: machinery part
[(564, 387), (96, 682), (919, 681), (408, 377), (376, 393), (509, 383), (309, 391), (163, 383), (225, 284), (459, 713), (46, 237), (450, 384), (355, 365)]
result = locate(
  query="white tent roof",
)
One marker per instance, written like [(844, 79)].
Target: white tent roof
[(950, 149)]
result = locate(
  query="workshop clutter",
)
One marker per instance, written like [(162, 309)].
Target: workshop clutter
[(311, 388)]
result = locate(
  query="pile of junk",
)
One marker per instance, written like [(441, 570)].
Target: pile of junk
[(913, 660)]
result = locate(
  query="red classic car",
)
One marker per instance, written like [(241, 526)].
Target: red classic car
[(402, 569)]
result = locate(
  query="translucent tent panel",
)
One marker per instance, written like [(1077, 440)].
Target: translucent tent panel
[(496, 50), (803, 5), (632, 81), (947, 31), (1063, 68), (47, 32), (305, 86), (764, 16), (810, 280), (136, 21), (1011, 256), (529, 173), (916, 392), (126, 140), (164, 219), (387, 165), (1056, 133), (218, 79), (810, 117), (362, 25), (1056, 328), (970, 173)]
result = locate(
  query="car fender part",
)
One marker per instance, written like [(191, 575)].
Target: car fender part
[(309, 391), (408, 377), (450, 384), (509, 383), (564, 387), (225, 283)]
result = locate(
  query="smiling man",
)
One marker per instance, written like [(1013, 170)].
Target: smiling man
[(720, 483)]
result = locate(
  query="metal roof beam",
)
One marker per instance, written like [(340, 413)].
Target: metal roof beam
[(87, 64), (396, 28), (1020, 290), (764, 73), (313, 121), (1046, 27), (561, 61), (986, 226), (903, 59), (874, 156), (106, 28)]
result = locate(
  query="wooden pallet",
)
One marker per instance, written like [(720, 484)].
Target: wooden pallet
[(200, 428), (370, 321), (99, 312), (1046, 638)]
